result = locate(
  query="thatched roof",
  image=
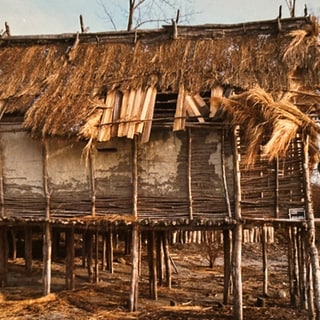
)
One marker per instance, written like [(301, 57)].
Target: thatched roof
[(76, 84)]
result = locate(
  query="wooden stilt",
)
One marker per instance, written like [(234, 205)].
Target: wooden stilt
[(70, 254), (96, 257), (104, 252), (3, 257), (159, 257), (28, 249), (237, 235), (47, 243), (133, 299), (110, 252), (264, 260), (14, 244), (226, 264), (302, 269), (84, 249), (291, 267), (89, 254), (311, 234), (166, 253), (152, 265)]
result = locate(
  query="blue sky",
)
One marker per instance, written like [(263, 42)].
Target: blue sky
[(62, 16)]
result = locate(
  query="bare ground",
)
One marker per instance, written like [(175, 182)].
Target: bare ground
[(196, 291)]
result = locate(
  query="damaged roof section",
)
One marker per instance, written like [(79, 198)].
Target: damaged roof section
[(104, 85)]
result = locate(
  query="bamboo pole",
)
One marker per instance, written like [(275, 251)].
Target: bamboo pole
[(2, 201), (152, 265), (237, 235), (311, 234), (190, 174), (110, 252)]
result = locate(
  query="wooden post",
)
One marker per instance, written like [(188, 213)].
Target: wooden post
[(291, 261), (302, 268), (2, 201), (152, 265), (70, 276), (110, 252), (264, 260), (226, 264), (28, 249), (237, 235), (159, 257), (224, 176), (47, 259), (133, 299), (96, 257), (104, 252), (276, 191), (92, 181), (89, 254), (14, 244), (166, 253), (311, 234), (190, 174), (3, 257)]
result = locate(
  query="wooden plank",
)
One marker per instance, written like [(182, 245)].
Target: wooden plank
[(135, 113), (130, 105), (106, 119), (116, 113), (144, 111), (149, 116), (192, 109), (123, 112), (179, 117), (215, 100)]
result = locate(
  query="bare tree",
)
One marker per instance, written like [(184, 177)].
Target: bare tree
[(292, 7), (143, 12)]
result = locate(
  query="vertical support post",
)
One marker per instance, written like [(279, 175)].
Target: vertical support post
[(3, 257), (237, 235), (190, 174), (110, 252), (311, 233), (264, 259), (276, 191), (70, 276), (14, 244), (159, 257), (28, 249), (104, 252), (152, 265), (224, 175), (166, 253), (2, 200), (92, 181), (47, 241), (89, 254), (226, 264), (96, 257), (46, 274), (133, 299)]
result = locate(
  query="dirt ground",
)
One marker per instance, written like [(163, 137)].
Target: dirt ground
[(196, 291)]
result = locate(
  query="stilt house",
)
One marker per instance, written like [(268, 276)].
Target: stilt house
[(181, 128)]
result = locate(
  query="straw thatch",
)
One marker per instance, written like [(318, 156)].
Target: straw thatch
[(62, 85), (272, 124)]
